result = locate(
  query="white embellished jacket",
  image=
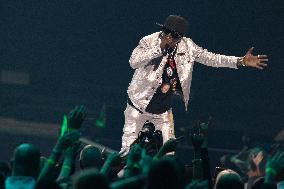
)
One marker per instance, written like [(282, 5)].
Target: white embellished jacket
[(148, 62)]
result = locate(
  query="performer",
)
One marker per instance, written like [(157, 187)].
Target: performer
[(163, 63)]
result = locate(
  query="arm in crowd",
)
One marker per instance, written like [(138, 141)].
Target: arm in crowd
[(112, 160), (273, 167), (68, 165), (67, 138), (168, 147), (132, 167), (63, 143)]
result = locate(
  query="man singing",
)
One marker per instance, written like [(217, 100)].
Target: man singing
[(163, 63)]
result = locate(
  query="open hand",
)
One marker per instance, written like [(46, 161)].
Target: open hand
[(258, 61), (169, 146), (76, 117)]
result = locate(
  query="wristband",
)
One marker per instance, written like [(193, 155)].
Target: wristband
[(50, 161), (71, 129), (271, 170), (66, 167), (240, 62)]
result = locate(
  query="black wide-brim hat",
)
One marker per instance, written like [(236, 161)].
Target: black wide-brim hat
[(175, 23)]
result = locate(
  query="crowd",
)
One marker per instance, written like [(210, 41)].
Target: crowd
[(150, 164)]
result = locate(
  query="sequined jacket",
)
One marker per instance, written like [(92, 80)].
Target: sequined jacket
[(148, 62)]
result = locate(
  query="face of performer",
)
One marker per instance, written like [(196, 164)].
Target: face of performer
[(170, 37)]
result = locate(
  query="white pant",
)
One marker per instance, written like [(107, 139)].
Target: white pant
[(134, 120)]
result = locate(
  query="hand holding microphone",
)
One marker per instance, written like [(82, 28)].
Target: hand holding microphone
[(167, 44)]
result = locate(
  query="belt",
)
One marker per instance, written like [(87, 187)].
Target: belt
[(132, 105)]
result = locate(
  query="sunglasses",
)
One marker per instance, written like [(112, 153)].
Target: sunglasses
[(174, 34)]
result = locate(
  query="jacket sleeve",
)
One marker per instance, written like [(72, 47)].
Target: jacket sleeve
[(211, 59), (144, 53)]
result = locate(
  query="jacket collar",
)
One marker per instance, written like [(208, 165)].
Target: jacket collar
[(182, 47)]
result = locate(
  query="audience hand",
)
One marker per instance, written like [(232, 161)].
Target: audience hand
[(273, 166), (76, 117), (169, 146), (134, 155), (197, 141)]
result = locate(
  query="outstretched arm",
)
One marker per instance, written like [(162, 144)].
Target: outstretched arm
[(217, 60), (207, 58)]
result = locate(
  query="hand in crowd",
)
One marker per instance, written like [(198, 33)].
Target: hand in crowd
[(199, 138), (76, 117), (169, 146), (145, 162), (134, 155), (258, 158), (274, 166), (132, 167), (112, 160), (197, 141), (69, 162), (205, 126)]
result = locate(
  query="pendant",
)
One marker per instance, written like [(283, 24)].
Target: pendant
[(165, 88), (174, 84), (169, 71)]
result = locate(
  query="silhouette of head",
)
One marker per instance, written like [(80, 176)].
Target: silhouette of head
[(228, 179), (26, 161), (165, 174), (89, 179), (90, 157)]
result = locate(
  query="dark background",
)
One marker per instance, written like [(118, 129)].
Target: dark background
[(76, 52)]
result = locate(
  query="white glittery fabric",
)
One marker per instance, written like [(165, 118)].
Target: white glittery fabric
[(148, 62), (134, 120)]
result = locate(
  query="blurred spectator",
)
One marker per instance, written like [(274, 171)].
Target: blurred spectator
[(90, 157), (165, 174), (5, 171), (25, 167), (228, 179), (89, 179)]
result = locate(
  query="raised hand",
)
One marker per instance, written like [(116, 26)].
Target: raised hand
[(112, 160), (197, 140), (145, 161), (169, 146), (258, 158), (276, 162), (134, 155), (76, 117), (273, 166), (258, 61)]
